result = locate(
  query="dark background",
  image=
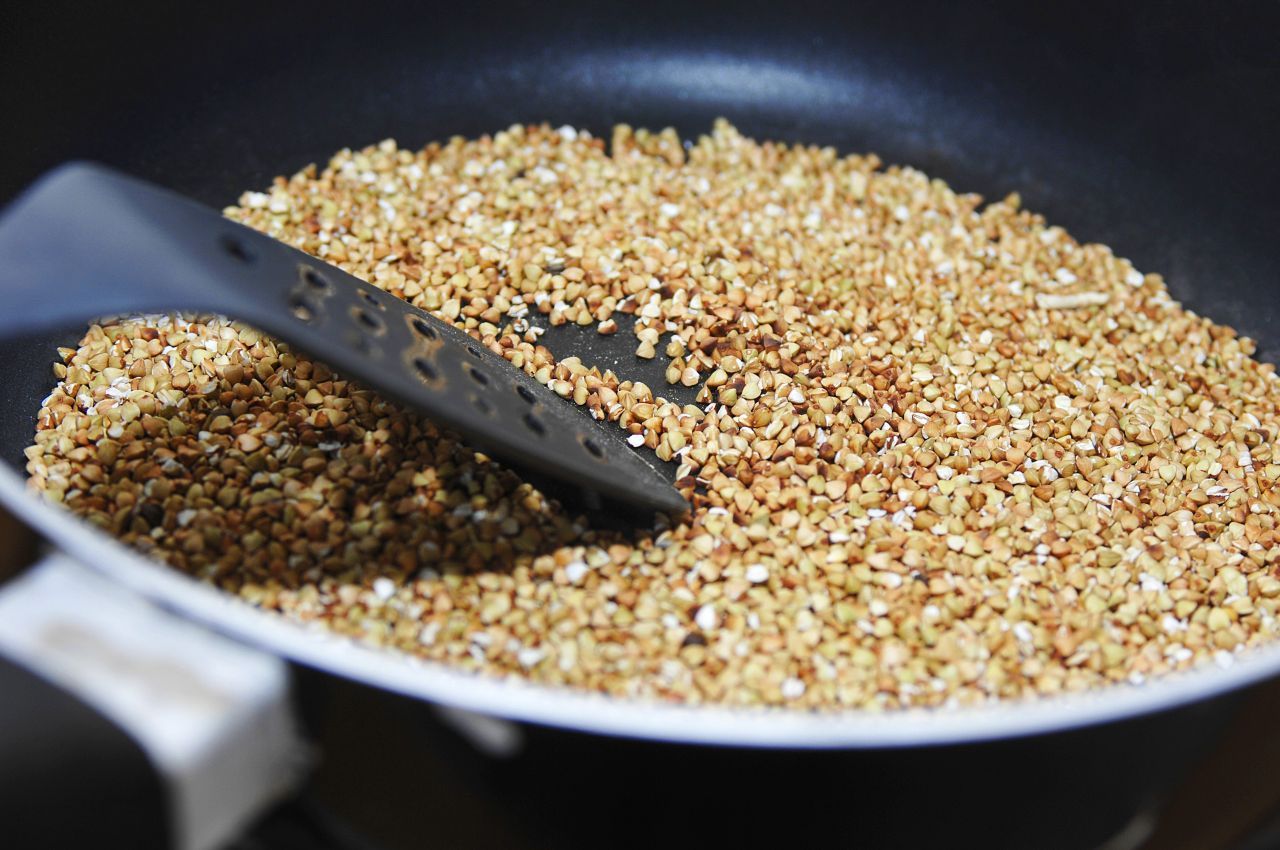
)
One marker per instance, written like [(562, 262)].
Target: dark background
[(1148, 126)]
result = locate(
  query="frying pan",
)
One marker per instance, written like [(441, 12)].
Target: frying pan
[(1150, 129)]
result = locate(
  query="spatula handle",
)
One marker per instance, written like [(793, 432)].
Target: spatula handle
[(83, 242)]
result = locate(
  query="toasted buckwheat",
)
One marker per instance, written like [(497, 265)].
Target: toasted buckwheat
[(942, 452)]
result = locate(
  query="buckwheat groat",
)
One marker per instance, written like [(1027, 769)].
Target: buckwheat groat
[(942, 452)]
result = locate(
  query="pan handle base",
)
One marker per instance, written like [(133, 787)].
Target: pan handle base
[(118, 676)]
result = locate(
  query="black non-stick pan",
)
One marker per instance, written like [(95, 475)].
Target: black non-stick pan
[(1150, 127)]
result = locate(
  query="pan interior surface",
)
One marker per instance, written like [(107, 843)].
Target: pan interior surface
[(1136, 128)]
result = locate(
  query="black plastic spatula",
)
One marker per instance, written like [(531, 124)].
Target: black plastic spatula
[(86, 242)]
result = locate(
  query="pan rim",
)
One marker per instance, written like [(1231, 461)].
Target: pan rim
[(594, 713)]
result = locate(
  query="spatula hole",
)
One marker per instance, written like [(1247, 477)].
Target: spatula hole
[(479, 377), (370, 300), (592, 447), (426, 368), (302, 309), (526, 394), (367, 320), (313, 279), (473, 351), (236, 249), (420, 325), (534, 424)]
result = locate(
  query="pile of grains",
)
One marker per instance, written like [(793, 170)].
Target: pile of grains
[(942, 453)]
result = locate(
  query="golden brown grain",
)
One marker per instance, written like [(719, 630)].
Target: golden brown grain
[(943, 453)]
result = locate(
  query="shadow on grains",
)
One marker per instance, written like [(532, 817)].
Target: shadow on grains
[(278, 475)]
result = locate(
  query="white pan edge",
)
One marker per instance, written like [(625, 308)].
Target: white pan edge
[(516, 699)]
